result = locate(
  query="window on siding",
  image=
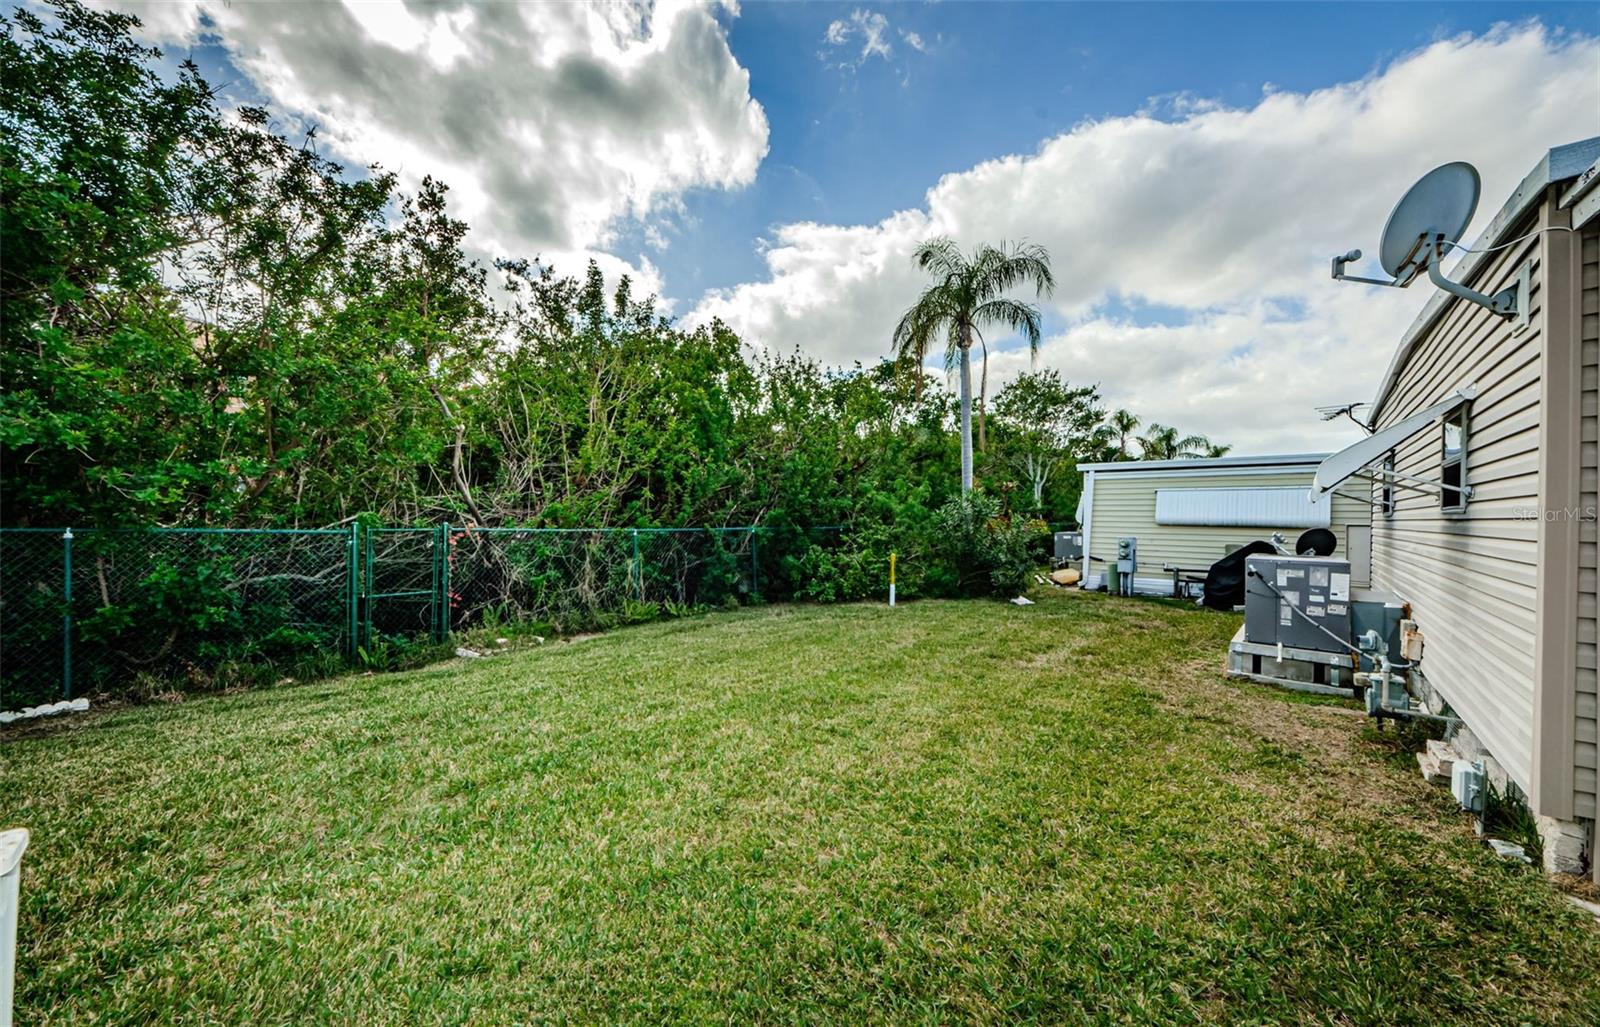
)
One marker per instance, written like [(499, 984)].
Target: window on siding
[(1386, 486), (1453, 467)]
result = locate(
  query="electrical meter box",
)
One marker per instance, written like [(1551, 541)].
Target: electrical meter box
[(1288, 599), (1127, 555), (1069, 546)]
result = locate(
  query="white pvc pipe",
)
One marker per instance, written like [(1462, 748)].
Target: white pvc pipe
[(12, 845)]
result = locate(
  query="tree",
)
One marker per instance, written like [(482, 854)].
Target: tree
[(1046, 422), (968, 295), (1122, 425), (1161, 442)]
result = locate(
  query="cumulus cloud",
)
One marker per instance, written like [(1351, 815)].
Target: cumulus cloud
[(1191, 241), (550, 122)]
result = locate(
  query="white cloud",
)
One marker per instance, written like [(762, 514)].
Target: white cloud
[(550, 122), (1224, 219), (869, 27), (914, 40)]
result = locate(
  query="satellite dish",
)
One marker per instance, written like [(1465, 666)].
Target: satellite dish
[(1439, 206), (1316, 542), (1429, 219)]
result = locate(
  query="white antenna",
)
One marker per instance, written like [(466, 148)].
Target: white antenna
[(1424, 225), (1338, 410)]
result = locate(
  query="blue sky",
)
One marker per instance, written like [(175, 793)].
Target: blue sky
[(1191, 167), (851, 145)]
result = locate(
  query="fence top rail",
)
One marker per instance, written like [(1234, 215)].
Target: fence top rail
[(605, 531), (343, 533), (463, 529), (737, 529)]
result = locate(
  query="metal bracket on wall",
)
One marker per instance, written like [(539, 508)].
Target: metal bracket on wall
[(1507, 302), (1523, 300)]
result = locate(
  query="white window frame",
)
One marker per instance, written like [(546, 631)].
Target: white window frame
[(1461, 492), (1386, 489)]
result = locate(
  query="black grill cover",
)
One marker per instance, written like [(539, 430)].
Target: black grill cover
[(1225, 579)]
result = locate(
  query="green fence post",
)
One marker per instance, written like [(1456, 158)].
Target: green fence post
[(352, 582), (443, 594), (638, 565), (366, 585), (755, 564), (66, 616)]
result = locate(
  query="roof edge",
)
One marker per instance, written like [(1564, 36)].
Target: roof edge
[(1205, 463)]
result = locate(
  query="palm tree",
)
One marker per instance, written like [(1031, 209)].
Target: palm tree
[(1123, 424), (1160, 442), (966, 296), (1216, 449)]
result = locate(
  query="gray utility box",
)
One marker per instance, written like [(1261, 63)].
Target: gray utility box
[(1374, 610), (1069, 546), (1287, 597)]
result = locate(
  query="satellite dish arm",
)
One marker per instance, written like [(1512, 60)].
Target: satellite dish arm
[(1347, 258), (1503, 302)]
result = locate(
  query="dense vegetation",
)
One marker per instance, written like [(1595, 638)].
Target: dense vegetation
[(207, 322)]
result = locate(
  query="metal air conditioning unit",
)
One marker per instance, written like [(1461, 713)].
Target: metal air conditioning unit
[(1068, 546), (1298, 601)]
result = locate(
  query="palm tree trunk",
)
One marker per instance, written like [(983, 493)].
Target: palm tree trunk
[(966, 410), (983, 403)]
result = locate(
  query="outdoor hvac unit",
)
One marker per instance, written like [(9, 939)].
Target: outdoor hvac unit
[(1302, 602), (1069, 546)]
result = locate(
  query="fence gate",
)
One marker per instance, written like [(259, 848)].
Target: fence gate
[(404, 583)]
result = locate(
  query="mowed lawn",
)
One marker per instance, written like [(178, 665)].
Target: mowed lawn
[(949, 812)]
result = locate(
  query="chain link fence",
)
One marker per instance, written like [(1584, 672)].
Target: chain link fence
[(142, 611)]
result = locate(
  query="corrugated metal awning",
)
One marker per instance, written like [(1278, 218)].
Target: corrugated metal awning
[(1351, 460), (1243, 508)]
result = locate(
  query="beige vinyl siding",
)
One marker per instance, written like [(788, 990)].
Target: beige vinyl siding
[(1471, 576), (1125, 504), (1584, 733)]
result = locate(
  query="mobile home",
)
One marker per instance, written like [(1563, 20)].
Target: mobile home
[(1484, 478), (1188, 514)]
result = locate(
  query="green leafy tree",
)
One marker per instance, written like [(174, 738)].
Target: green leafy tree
[(968, 295), (1046, 424)]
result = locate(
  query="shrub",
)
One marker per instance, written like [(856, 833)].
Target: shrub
[(857, 568), (972, 549)]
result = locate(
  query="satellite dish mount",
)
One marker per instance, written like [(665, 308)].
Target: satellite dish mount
[(1427, 222)]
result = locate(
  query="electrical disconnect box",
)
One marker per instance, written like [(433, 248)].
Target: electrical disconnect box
[(1466, 784), (1410, 641), (1298, 601), (1069, 546)]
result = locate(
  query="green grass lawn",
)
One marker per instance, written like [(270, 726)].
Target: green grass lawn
[(945, 812)]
